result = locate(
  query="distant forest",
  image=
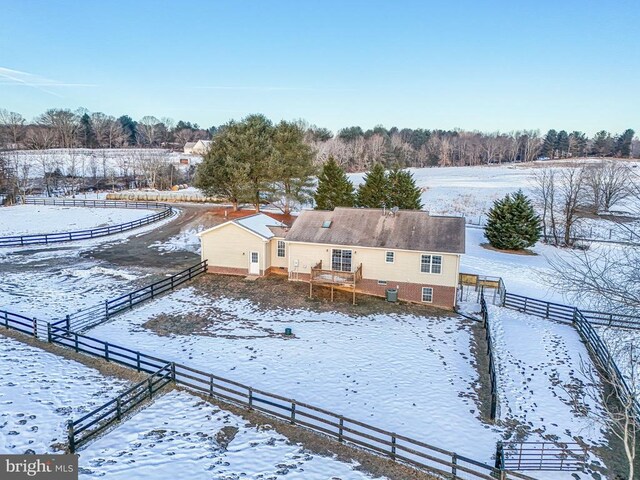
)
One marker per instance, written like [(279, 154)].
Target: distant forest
[(353, 148)]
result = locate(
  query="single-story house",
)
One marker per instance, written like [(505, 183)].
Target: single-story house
[(367, 250), (197, 148)]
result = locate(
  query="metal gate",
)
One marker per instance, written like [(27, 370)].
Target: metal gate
[(542, 456)]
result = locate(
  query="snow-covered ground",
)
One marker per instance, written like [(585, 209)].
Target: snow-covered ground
[(34, 219), (408, 374), (40, 392), (624, 346), (102, 161), (186, 240), (201, 441), (540, 365)]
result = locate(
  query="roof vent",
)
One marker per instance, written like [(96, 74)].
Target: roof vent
[(326, 224), (394, 211)]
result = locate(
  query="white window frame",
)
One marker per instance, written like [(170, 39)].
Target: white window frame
[(430, 264), (430, 295), (386, 257), (281, 248), (341, 265)]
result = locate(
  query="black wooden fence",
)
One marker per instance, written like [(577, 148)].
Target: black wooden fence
[(493, 374), (343, 429), (95, 422), (97, 314), (584, 324), (47, 238)]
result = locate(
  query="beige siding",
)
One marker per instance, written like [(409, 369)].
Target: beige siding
[(229, 246), (406, 266), (277, 261)]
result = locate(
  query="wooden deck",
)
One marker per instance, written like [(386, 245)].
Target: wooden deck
[(334, 279)]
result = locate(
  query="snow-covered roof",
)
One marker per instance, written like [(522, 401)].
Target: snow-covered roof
[(260, 223)]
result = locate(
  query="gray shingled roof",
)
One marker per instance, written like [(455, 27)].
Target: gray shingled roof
[(366, 227)]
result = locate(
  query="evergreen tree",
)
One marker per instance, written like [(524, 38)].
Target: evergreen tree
[(578, 144), (403, 192), (130, 128), (513, 223), (87, 134), (623, 143), (293, 165), (549, 144), (374, 191), (562, 144), (602, 144), (334, 188)]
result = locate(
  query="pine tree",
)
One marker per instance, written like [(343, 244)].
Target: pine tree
[(513, 223), (334, 188), (562, 144), (549, 144), (374, 191), (403, 192)]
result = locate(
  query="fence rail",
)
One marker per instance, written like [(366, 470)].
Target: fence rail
[(97, 314), (48, 238), (584, 324), (95, 422), (341, 428)]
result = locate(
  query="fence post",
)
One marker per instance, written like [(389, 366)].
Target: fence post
[(150, 387), (6, 320), (106, 351), (76, 341), (173, 371), (35, 328), (293, 412), (71, 437), (341, 429), (250, 398), (393, 446), (499, 457), (118, 408), (48, 332), (106, 309), (454, 467), (68, 322), (138, 360)]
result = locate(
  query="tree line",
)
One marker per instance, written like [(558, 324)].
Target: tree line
[(354, 148), (256, 161)]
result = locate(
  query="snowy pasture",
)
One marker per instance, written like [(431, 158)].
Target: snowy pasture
[(36, 219), (39, 392), (202, 441), (408, 374)]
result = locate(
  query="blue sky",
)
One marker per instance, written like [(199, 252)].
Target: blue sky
[(485, 65)]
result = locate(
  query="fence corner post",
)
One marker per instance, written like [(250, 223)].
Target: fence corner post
[(68, 321), (71, 437), (173, 371), (499, 464), (48, 332), (454, 467), (293, 412)]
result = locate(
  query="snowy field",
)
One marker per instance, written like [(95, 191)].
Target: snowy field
[(35, 219), (202, 442), (415, 384), (39, 392), (624, 346), (84, 161), (540, 364)]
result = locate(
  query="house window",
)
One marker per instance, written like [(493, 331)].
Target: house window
[(254, 257), (431, 263), (281, 248), (427, 294), (382, 282), (341, 260), (390, 257)]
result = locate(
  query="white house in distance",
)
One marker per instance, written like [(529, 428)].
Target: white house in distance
[(197, 148), (363, 250)]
